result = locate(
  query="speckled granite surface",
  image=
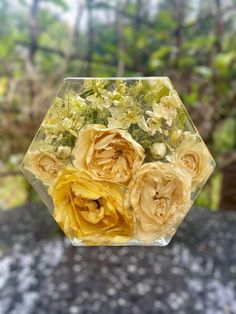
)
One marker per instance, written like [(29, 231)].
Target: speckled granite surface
[(41, 273)]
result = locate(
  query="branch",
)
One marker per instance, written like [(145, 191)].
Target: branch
[(10, 173), (9, 110), (62, 53)]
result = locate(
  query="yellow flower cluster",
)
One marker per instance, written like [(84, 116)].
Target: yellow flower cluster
[(130, 178), (89, 197)]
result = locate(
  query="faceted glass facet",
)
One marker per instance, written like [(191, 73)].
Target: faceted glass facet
[(118, 161)]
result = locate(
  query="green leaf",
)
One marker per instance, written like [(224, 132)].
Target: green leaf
[(224, 137), (162, 52), (204, 71), (223, 61)]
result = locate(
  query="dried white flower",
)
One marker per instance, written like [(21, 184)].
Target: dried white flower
[(158, 150)]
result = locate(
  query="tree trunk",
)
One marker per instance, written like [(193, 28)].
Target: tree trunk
[(228, 187), (121, 42), (33, 29), (180, 13), (90, 37), (218, 26), (72, 40), (136, 30), (30, 63)]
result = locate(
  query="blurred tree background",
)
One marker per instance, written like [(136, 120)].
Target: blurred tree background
[(193, 42)]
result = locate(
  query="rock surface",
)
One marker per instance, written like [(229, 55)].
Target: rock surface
[(41, 273)]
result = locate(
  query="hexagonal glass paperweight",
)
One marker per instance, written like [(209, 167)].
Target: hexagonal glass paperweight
[(118, 161)]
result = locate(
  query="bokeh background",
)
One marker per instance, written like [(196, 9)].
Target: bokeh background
[(41, 42), (193, 42)]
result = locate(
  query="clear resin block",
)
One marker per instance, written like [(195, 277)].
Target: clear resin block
[(118, 161)]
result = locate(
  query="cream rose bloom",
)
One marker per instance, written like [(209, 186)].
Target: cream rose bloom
[(159, 194), (44, 165), (92, 211), (107, 154), (194, 155)]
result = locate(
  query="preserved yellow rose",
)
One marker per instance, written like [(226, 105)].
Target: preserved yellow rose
[(90, 210), (44, 165), (159, 194), (108, 154), (195, 157)]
